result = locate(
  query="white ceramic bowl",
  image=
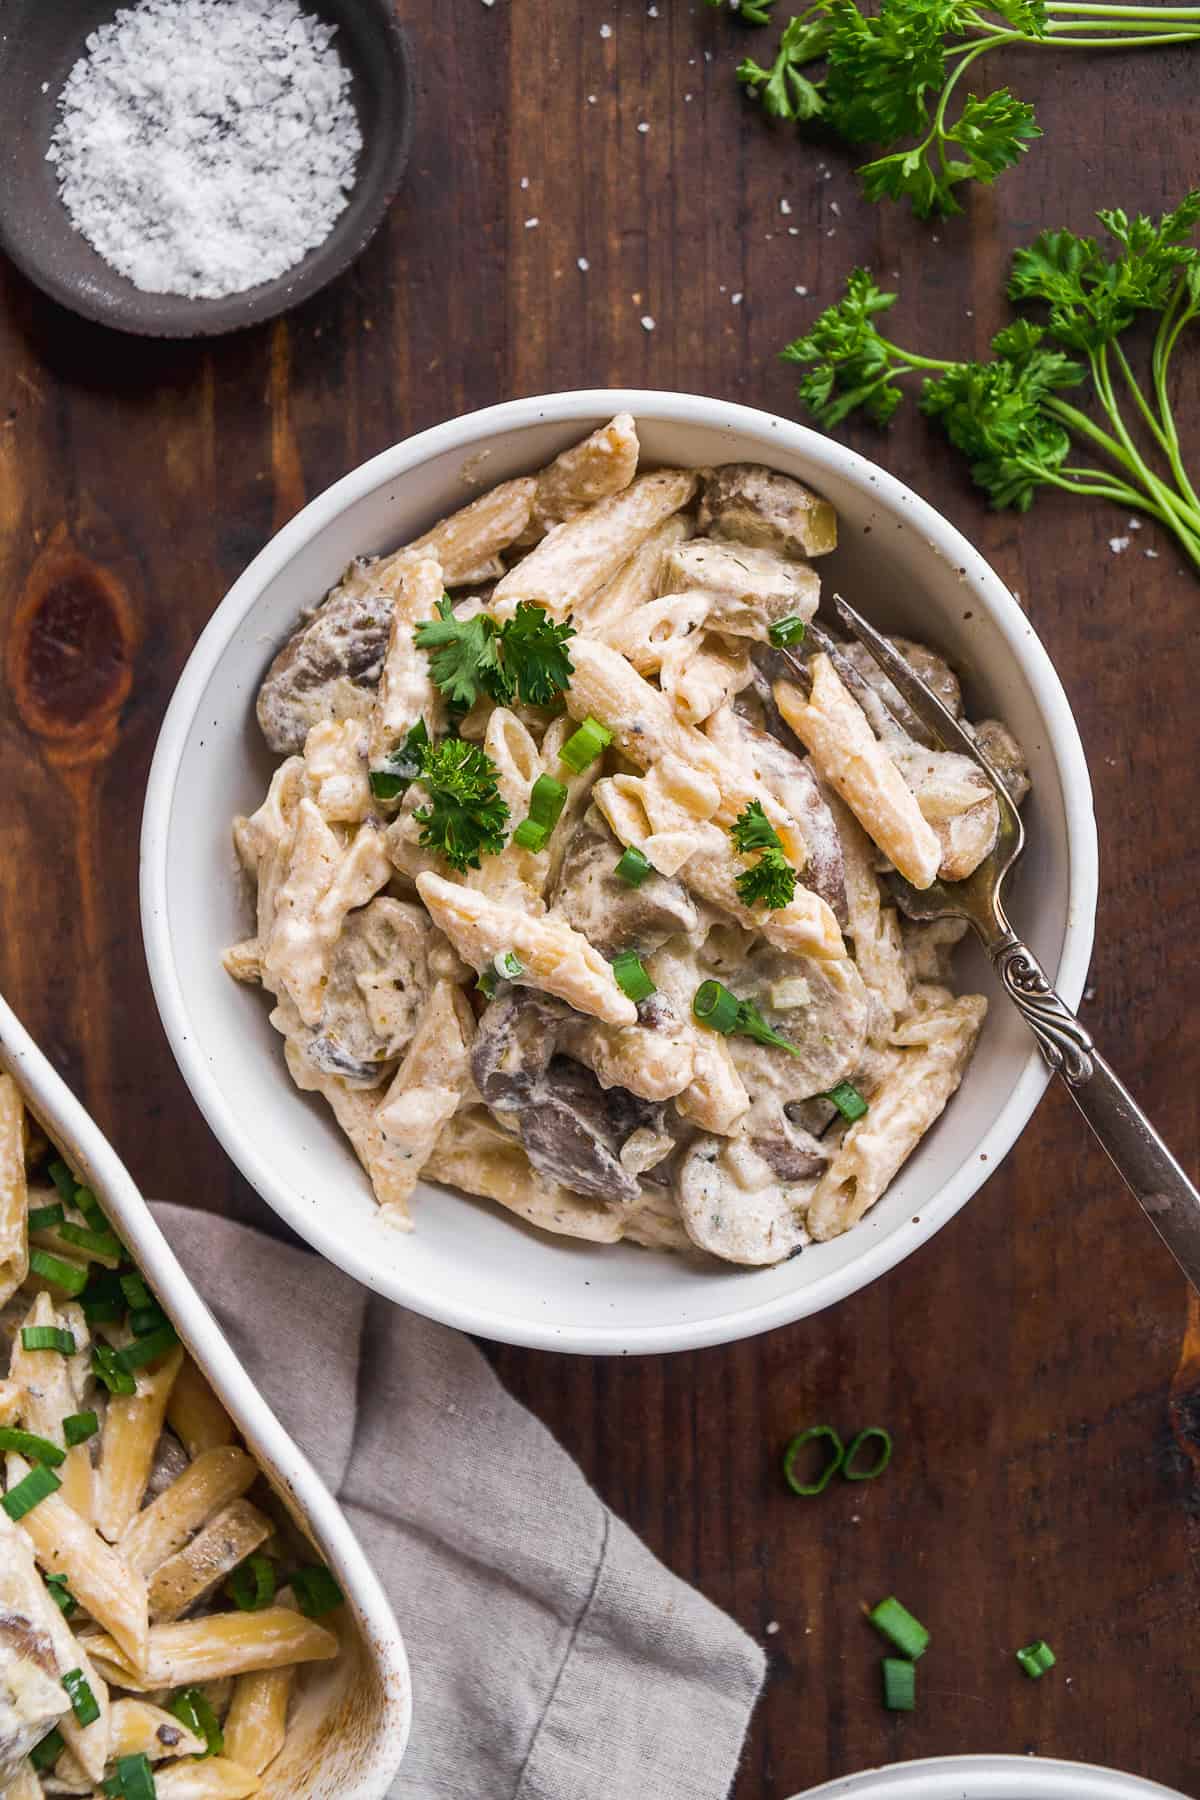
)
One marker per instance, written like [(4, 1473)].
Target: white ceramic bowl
[(350, 1725), (469, 1263), (990, 1778)]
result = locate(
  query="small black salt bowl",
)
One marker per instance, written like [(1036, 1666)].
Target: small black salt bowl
[(40, 42)]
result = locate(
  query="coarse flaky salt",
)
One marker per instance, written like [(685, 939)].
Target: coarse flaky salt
[(205, 146)]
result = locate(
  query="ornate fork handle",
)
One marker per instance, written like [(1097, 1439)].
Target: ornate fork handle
[(1168, 1198)]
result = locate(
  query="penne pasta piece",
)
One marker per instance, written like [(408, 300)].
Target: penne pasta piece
[(23, 1785), (14, 1197), (65, 1544), (32, 1699), (575, 559), (226, 1643), (474, 1153), (256, 1723), (217, 1476), (553, 955), (335, 772), (195, 1414), (602, 464), (426, 1090), (932, 1050), (833, 728), (637, 581), (406, 692), (12, 1395), (873, 928), (186, 1578), (132, 1427), (216, 1778), (468, 541), (139, 1729), (48, 1396)]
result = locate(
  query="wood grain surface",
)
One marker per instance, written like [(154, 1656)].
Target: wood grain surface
[(1037, 1362)]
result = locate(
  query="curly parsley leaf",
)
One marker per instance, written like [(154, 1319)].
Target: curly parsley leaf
[(881, 68), (463, 651), (1093, 298), (784, 90), (466, 817), (772, 879), (850, 365), (534, 654), (750, 12)]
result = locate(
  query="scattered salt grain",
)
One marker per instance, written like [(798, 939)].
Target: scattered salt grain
[(801, 290), (772, 1627), (581, 262), (687, 98), (606, 31), (1118, 544), (204, 146), (591, 99), (531, 223), (643, 127), (785, 206), (793, 231), (835, 209), (647, 322), (736, 299), (524, 182), (1133, 524), (1152, 553), (652, 12)]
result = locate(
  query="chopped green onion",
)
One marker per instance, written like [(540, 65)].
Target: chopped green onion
[(252, 1584), (529, 835), (79, 1427), (897, 1624), (147, 1319), (585, 745), (899, 1684), (44, 1755), (102, 1301), (45, 1218), (48, 1337), (147, 1349), (786, 631), (134, 1288), (61, 1594), (633, 867), (814, 1434), (547, 798), (631, 977), (107, 1369), (507, 965), (87, 1203), (192, 1708), (66, 1275), (30, 1491), (100, 1243), (848, 1100), (385, 786), (881, 1462), (1035, 1659), (28, 1444), (64, 1181), (316, 1591), (83, 1701), (134, 1780), (716, 1007)]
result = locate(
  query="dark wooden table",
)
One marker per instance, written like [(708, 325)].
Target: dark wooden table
[(1037, 1362)]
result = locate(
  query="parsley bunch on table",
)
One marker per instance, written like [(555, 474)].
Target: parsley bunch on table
[(1008, 415), (896, 75)]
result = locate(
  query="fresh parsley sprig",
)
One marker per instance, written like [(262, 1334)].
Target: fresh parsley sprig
[(466, 817), (1007, 414), (772, 879), (893, 75), (525, 658)]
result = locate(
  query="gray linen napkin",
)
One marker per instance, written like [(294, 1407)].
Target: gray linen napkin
[(553, 1657)]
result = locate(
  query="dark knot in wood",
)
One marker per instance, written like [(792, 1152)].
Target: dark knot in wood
[(70, 653)]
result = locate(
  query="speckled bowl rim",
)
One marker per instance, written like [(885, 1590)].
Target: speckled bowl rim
[(990, 1778), (584, 407)]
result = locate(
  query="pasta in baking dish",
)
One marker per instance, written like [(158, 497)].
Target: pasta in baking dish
[(157, 1605), (567, 886)]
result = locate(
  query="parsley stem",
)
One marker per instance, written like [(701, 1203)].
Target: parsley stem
[(1166, 496), (1139, 399), (1100, 8), (1062, 36), (1174, 319)]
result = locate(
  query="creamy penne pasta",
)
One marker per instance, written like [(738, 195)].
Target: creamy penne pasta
[(147, 1570), (569, 886)]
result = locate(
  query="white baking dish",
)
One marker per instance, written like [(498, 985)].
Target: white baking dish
[(990, 1778), (351, 1720)]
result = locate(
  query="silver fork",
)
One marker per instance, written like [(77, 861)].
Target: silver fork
[(1167, 1197)]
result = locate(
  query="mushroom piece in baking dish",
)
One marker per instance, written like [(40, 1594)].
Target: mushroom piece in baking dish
[(735, 1206), (378, 982), (758, 506), (610, 913)]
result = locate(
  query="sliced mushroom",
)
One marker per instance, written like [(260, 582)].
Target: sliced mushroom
[(788, 1150), (612, 915), (330, 666), (1006, 757), (734, 1206), (821, 1007), (931, 667), (759, 506), (379, 979), (573, 1131), (513, 1047), (745, 589)]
